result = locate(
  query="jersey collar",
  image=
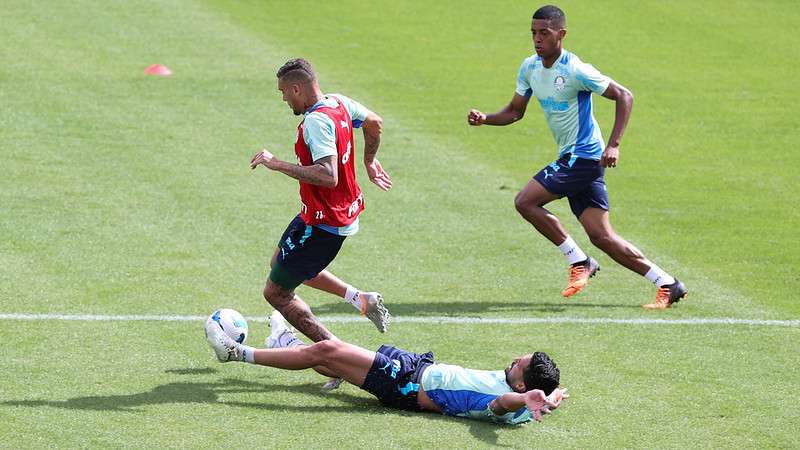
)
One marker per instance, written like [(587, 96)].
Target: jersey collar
[(316, 106)]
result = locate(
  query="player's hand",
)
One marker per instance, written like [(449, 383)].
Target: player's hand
[(378, 176), (556, 396), (263, 157), (538, 404), (610, 157), (476, 118)]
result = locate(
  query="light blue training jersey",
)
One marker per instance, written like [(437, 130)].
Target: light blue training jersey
[(565, 93), (319, 134), (468, 392)]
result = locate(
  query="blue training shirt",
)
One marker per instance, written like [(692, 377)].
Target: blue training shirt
[(565, 93), (468, 392)]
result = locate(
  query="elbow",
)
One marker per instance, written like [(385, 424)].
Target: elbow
[(374, 126), (628, 96), (331, 181)]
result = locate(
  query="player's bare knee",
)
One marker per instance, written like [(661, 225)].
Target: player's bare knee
[(277, 296), (525, 206), (602, 240), (323, 351), (519, 203), (268, 293)]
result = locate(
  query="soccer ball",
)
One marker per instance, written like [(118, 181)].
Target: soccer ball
[(231, 322)]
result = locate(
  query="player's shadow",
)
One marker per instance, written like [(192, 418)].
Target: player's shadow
[(209, 392), (473, 308), (176, 392), (485, 431), (186, 393)]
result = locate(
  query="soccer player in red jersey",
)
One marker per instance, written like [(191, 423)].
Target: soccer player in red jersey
[(331, 199)]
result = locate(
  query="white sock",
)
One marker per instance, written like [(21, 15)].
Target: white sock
[(571, 250), (657, 276), (248, 352), (352, 296)]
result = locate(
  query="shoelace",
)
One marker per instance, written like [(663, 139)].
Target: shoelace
[(287, 338), (575, 273), (662, 296)]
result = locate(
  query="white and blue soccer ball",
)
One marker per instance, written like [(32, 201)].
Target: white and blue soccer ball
[(231, 322)]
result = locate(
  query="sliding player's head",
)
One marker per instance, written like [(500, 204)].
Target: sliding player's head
[(535, 371), (297, 81), (548, 28)]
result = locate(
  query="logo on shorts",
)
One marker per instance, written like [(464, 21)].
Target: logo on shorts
[(547, 174), (559, 83), (395, 365)]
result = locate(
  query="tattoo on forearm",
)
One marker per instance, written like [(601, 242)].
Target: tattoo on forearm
[(315, 174), (297, 312), (371, 144)]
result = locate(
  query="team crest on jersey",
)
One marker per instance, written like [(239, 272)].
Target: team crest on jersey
[(559, 83)]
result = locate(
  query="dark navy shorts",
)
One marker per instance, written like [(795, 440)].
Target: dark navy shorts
[(303, 251), (578, 179), (394, 377)]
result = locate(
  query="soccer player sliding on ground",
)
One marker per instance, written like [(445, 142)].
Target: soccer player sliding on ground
[(563, 85), (525, 390), (331, 199)]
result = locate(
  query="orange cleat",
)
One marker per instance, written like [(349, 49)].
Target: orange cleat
[(579, 274), (667, 295)]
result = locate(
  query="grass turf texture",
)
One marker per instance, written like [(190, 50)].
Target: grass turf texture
[(122, 194)]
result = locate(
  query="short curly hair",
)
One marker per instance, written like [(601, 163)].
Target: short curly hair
[(542, 374), (297, 69)]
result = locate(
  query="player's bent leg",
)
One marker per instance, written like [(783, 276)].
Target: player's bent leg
[(529, 203), (598, 227), (327, 282), (296, 311), (348, 361), (595, 222), (334, 356), (369, 304)]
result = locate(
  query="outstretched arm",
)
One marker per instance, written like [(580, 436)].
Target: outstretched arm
[(514, 111), (624, 100), (373, 127), (323, 172), (535, 400)]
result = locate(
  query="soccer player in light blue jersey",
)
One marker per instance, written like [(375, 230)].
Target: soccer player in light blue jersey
[(526, 389), (563, 85)]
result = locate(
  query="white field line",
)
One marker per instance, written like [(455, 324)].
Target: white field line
[(426, 319)]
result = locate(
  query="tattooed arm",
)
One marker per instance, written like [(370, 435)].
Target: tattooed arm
[(323, 172), (373, 127)]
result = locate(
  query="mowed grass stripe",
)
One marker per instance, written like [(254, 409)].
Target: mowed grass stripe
[(430, 319)]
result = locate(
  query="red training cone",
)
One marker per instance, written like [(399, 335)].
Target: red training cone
[(158, 69)]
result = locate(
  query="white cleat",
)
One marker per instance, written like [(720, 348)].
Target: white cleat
[(280, 334), (372, 307), (224, 347), (331, 384)]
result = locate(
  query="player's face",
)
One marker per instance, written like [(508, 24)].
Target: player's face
[(291, 95), (514, 372), (546, 38)]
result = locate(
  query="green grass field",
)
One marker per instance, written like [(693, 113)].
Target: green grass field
[(122, 194)]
